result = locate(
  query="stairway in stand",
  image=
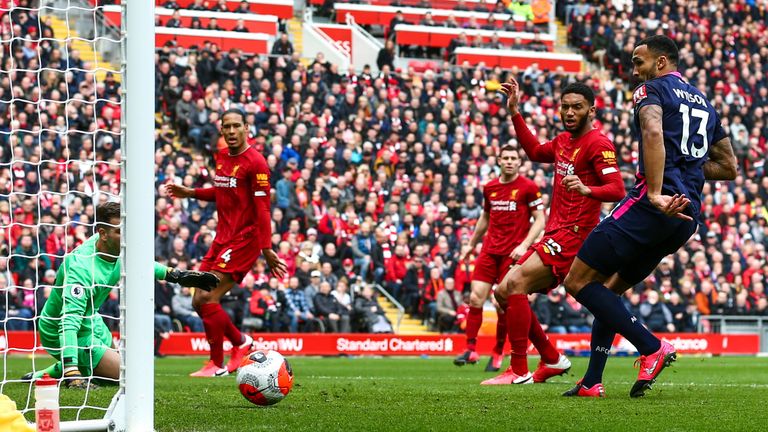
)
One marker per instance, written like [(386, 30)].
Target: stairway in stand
[(408, 326), (90, 57)]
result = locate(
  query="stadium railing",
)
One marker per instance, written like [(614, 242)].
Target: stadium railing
[(736, 324), (398, 306)]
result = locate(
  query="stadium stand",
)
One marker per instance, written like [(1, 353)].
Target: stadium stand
[(403, 153)]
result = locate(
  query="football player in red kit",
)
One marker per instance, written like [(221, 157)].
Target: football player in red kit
[(241, 191), (586, 175), (506, 231)]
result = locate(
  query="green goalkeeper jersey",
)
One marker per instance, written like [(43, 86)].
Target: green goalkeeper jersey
[(83, 283)]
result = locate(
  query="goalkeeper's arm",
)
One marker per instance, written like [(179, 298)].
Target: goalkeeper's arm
[(189, 278)]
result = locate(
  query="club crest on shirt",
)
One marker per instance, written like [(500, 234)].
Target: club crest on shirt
[(513, 195), (640, 94)]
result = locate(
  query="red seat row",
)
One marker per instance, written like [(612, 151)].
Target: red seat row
[(507, 59), (254, 23), (441, 37)]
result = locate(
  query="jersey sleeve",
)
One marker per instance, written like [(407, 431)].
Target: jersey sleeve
[(260, 189), (160, 271), (646, 94), (76, 295), (533, 197), (486, 201), (536, 151), (610, 184)]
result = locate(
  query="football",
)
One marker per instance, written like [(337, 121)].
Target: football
[(264, 377)]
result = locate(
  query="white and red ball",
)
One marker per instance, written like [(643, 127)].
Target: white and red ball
[(264, 377)]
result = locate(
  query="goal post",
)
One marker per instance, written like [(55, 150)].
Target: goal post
[(57, 127), (138, 214)]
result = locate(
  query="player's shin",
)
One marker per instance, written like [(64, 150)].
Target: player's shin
[(608, 308), (501, 333), (540, 340), (518, 323), (602, 340), (474, 321)]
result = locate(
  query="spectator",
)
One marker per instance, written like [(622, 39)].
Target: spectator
[(370, 313), (681, 317), (415, 282), (386, 55), (362, 246), (163, 298), (297, 306), (163, 243), (181, 304), (311, 290), (448, 302), (656, 315), (175, 20), (330, 311), (282, 47)]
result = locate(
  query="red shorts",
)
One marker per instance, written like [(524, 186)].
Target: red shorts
[(235, 258), (491, 268), (557, 250)]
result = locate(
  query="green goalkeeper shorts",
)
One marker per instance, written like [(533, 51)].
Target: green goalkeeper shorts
[(91, 344)]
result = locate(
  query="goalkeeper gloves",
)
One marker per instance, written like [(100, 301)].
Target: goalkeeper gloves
[(73, 379), (190, 278)]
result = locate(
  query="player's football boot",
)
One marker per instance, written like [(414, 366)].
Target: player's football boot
[(509, 377), (468, 357), (597, 390), (494, 363), (650, 368), (547, 371), (210, 370), (238, 353)]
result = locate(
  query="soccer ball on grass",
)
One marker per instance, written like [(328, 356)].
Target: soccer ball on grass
[(264, 377)]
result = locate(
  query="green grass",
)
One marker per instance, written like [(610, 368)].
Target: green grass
[(409, 394)]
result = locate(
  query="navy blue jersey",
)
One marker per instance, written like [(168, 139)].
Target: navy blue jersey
[(690, 125)]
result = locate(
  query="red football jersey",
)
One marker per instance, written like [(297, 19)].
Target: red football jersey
[(592, 158), (242, 194), (509, 206)]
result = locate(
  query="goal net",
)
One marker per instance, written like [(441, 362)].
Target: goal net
[(62, 152)]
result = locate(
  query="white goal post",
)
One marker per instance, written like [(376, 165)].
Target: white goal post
[(69, 26), (137, 377)]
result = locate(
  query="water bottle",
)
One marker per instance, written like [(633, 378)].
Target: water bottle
[(47, 404)]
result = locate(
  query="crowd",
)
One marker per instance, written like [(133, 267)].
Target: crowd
[(377, 175)]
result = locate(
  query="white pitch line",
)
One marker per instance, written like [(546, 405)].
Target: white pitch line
[(610, 383)]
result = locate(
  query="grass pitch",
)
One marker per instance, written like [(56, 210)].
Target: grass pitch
[(415, 394)]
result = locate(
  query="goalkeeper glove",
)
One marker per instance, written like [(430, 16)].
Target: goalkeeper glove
[(73, 379), (190, 278)]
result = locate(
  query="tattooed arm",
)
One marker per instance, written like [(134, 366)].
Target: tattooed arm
[(654, 155), (722, 162)]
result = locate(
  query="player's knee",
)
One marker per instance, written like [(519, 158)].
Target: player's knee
[(475, 300), (198, 300), (516, 284), (573, 284)]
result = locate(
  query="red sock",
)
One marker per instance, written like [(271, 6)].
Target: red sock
[(501, 333), (474, 321), (518, 324), (230, 331), (540, 340), (214, 331)]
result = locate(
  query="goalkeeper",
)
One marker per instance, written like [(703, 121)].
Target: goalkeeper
[(71, 330)]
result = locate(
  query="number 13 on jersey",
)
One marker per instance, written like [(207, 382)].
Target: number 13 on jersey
[(703, 116)]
